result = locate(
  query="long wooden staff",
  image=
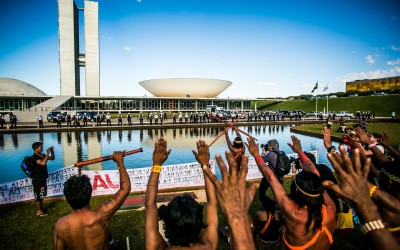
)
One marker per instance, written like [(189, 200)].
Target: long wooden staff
[(105, 158), (232, 125)]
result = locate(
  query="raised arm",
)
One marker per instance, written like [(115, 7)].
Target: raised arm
[(111, 206), (389, 206), (385, 142), (234, 199), (228, 141), (49, 156), (279, 193), (209, 236), (307, 164), (354, 189), (153, 238)]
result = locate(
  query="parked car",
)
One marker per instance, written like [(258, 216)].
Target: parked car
[(312, 113), (52, 116), (344, 114)]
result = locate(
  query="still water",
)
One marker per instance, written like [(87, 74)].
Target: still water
[(72, 147)]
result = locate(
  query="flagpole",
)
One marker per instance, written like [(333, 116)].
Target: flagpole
[(316, 104), (327, 108)]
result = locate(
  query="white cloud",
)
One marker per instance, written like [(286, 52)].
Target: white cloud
[(127, 48), (391, 63), (268, 84), (369, 59), (375, 74), (394, 48)]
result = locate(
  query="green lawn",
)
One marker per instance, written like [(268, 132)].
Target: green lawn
[(380, 105), (390, 128), (21, 229)]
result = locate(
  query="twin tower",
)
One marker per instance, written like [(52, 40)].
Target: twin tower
[(71, 57)]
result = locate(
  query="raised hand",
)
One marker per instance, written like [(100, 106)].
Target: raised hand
[(296, 146), (160, 153), (326, 135), (203, 154), (118, 156), (353, 186), (362, 135), (252, 146)]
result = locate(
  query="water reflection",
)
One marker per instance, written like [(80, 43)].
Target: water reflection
[(72, 147)]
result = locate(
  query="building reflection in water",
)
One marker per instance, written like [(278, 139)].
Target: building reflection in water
[(78, 146), (1, 141), (14, 138)]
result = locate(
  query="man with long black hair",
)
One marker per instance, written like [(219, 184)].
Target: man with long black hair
[(309, 212)]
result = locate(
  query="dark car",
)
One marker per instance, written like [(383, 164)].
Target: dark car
[(53, 116)]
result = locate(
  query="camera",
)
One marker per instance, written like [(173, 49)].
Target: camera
[(296, 162), (264, 146)]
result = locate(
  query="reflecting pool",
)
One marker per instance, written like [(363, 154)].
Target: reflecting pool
[(71, 147)]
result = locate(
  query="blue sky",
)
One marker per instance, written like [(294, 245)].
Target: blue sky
[(265, 48)]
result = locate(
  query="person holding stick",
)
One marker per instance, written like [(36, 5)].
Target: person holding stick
[(85, 228)]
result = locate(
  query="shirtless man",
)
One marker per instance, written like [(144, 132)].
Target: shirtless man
[(85, 228), (309, 198), (184, 228)]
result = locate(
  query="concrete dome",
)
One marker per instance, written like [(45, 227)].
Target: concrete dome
[(185, 87), (14, 87)]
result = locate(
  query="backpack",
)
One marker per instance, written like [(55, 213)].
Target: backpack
[(27, 166), (283, 165)]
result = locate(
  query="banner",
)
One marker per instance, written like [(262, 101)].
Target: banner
[(106, 182), (22, 190), (171, 176)]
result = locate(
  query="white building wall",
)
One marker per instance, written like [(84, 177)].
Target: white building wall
[(92, 73), (68, 47)]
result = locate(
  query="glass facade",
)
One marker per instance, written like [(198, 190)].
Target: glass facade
[(125, 103)]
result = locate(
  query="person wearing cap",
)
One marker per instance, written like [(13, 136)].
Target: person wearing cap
[(40, 120), (40, 175)]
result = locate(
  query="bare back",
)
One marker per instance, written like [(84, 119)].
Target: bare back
[(83, 229), (296, 218)]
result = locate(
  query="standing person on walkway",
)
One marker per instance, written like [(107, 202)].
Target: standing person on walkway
[(2, 121), (14, 121), (85, 228), (141, 118), (98, 120), (40, 120), (108, 119), (40, 175), (85, 119), (119, 119), (59, 121), (129, 119), (68, 118)]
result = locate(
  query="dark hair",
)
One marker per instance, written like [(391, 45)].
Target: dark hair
[(376, 135), (78, 191), (238, 142), (310, 183), (183, 221), (36, 145)]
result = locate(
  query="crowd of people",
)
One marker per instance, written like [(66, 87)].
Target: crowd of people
[(318, 206)]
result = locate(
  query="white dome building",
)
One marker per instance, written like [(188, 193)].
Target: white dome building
[(185, 87), (14, 87)]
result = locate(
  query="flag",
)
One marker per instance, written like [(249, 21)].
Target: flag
[(326, 87), (316, 87)]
